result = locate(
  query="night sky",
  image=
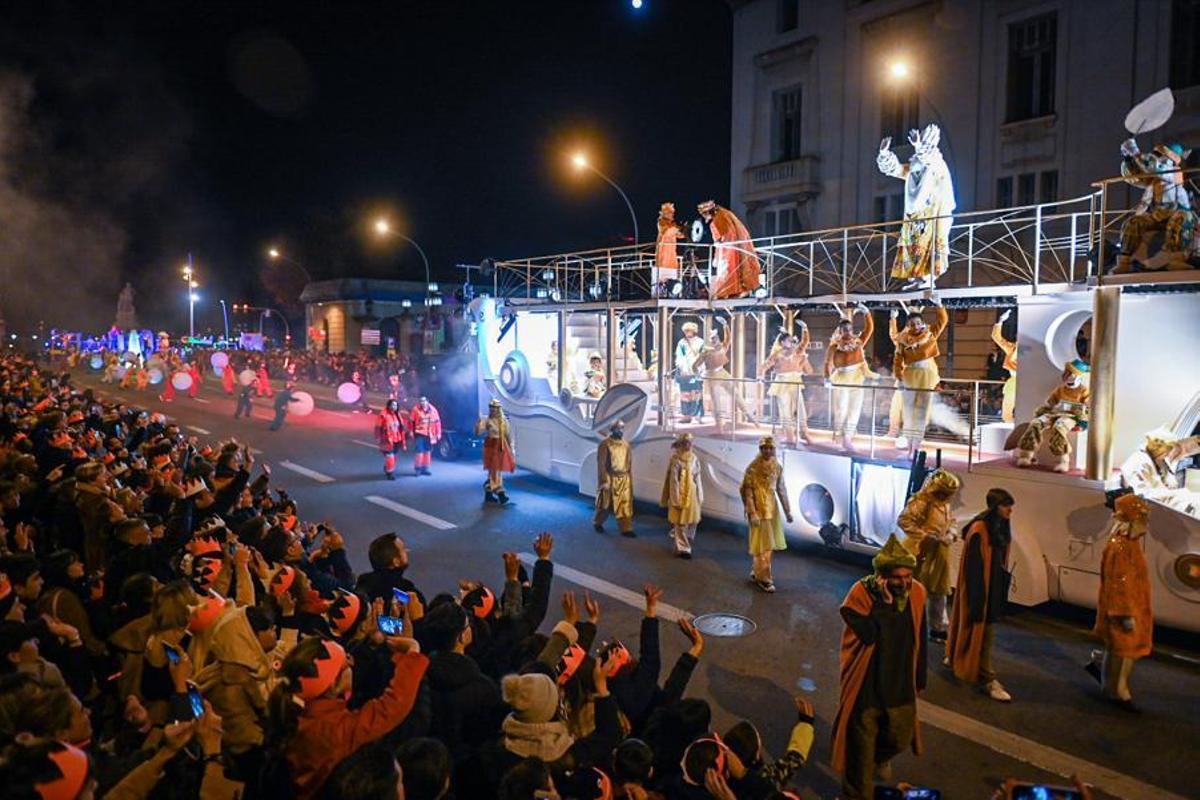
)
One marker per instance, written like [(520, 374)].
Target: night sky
[(132, 133)]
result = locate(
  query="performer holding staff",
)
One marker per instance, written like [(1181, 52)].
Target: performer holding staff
[(499, 452)]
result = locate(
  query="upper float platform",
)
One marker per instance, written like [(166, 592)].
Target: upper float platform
[(999, 254)]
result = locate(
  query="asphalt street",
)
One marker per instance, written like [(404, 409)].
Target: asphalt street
[(1057, 725)]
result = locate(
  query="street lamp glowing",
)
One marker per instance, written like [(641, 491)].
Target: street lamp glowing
[(273, 253), (579, 160), (637, 3), (193, 297), (383, 227), (193, 285), (899, 69)]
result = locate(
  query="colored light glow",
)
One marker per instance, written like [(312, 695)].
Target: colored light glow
[(273, 253), (382, 226), (579, 160), (899, 69), (636, 3)]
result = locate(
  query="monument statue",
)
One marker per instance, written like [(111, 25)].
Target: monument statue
[(126, 313)]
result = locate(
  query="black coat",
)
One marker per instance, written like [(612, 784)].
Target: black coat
[(467, 707)]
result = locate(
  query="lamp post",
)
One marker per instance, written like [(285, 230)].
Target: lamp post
[(275, 254), (581, 162), (901, 72), (384, 228), (189, 277)]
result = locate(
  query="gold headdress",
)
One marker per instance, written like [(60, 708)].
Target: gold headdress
[(892, 555)]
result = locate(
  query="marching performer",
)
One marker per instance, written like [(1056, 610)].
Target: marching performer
[(683, 494), (915, 364), (687, 354), (193, 371), (790, 361), (928, 528), (1124, 622), (499, 452), (427, 430), (1010, 365), (1065, 410), (614, 481), (845, 368), (666, 257), (923, 250), (764, 496), (264, 381), (733, 256), (227, 378), (391, 431)]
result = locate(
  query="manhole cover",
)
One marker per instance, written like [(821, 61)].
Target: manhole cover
[(724, 625)]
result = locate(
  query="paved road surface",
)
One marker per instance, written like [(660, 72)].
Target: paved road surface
[(1056, 726)]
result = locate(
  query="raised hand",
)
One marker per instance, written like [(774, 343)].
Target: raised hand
[(1004, 316), (885, 144), (591, 607), (689, 630), (542, 545), (512, 566), (570, 608), (653, 595)]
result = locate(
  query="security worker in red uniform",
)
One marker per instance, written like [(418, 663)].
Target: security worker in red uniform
[(391, 431), (427, 429)]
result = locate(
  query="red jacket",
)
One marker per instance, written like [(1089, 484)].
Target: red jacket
[(427, 423), (391, 429), (329, 732)]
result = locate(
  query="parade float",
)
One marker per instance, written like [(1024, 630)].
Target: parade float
[(1096, 362)]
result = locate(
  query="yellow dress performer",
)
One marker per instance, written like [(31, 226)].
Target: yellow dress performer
[(915, 364), (764, 496), (1010, 364), (683, 494), (928, 529), (614, 481)]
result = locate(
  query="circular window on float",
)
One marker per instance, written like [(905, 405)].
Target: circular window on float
[(1069, 337)]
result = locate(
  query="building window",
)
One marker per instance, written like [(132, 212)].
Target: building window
[(899, 113), (1185, 33), (785, 125), (1049, 192), (889, 207), (779, 222), (1004, 192), (1027, 189), (1032, 44), (787, 15)]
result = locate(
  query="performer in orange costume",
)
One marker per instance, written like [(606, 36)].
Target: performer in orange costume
[(1124, 621), (227, 378), (666, 257), (391, 431), (739, 275), (264, 381), (193, 372), (427, 430)]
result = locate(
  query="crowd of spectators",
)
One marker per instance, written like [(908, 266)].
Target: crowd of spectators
[(172, 626)]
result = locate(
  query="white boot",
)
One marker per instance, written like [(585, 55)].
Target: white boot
[(995, 691), (1024, 458), (1062, 463)]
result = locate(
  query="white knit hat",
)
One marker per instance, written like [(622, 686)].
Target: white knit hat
[(533, 697)]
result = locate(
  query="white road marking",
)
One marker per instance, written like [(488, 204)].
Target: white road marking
[(371, 445), (1040, 755), (201, 400), (626, 596), (412, 513), (1001, 741), (319, 477), (201, 431)]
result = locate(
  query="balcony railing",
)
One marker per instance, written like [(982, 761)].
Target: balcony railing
[(767, 181)]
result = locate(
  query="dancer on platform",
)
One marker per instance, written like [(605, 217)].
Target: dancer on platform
[(789, 360), (391, 432), (765, 499), (427, 431), (614, 481), (923, 249), (1124, 619), (499, 452), (981, 595), (1065, 410), (928, 527), (687, 355), (724, 394), (666, 256), (882, 671), (846, 369), (915, 365), (683, 494), (733, 258), (1010, 365)]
